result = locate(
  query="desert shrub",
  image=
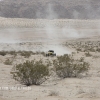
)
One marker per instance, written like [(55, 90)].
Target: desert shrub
[(98, 49), (81, 59), (66, 66), (12, 53), (95, 56), (79, 49), (30, 72), (48, 62), (26, 54), (8, 62), (37, 52), (53, 93), (92, 49), (73, 53), (88, 54), (43, 53), (3, 53)]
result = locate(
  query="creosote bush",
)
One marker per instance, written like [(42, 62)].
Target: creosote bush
[(31, 72), (66, 66)]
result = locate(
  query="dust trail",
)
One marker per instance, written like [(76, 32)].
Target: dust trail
[(58, 49), (52, 38), (57, 34)]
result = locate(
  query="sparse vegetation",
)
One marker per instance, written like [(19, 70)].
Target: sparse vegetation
[(31, 72), (43, 53), (85, 46), (3, 53), (88, 54), (78, 49), (66, 66), (12, 53), (81, 59), (93, 93), (98, 49), (8, 62), (26, 54), (81, 91), (53, 93)]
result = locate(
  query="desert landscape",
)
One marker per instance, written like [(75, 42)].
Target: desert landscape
[(49, 49), (27, 39)]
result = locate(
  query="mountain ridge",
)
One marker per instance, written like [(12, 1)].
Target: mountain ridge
[(50, 9)]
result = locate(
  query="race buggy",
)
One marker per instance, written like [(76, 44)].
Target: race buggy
[(50, 53)]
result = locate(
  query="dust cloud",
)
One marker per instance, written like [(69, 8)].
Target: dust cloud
[(50, 36)]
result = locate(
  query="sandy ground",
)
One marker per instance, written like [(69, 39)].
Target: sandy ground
[(86, 87)]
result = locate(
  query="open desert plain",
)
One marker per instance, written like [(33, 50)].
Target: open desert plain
[(24, 40)]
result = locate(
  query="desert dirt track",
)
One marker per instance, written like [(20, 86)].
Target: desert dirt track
[(86, 87)]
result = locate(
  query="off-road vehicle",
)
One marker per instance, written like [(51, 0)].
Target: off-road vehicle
[(50, 53)]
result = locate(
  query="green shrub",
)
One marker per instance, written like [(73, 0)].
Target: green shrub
[(66, 66), (31, 72)]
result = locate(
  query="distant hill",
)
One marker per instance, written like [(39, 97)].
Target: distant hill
[(50, 9)]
